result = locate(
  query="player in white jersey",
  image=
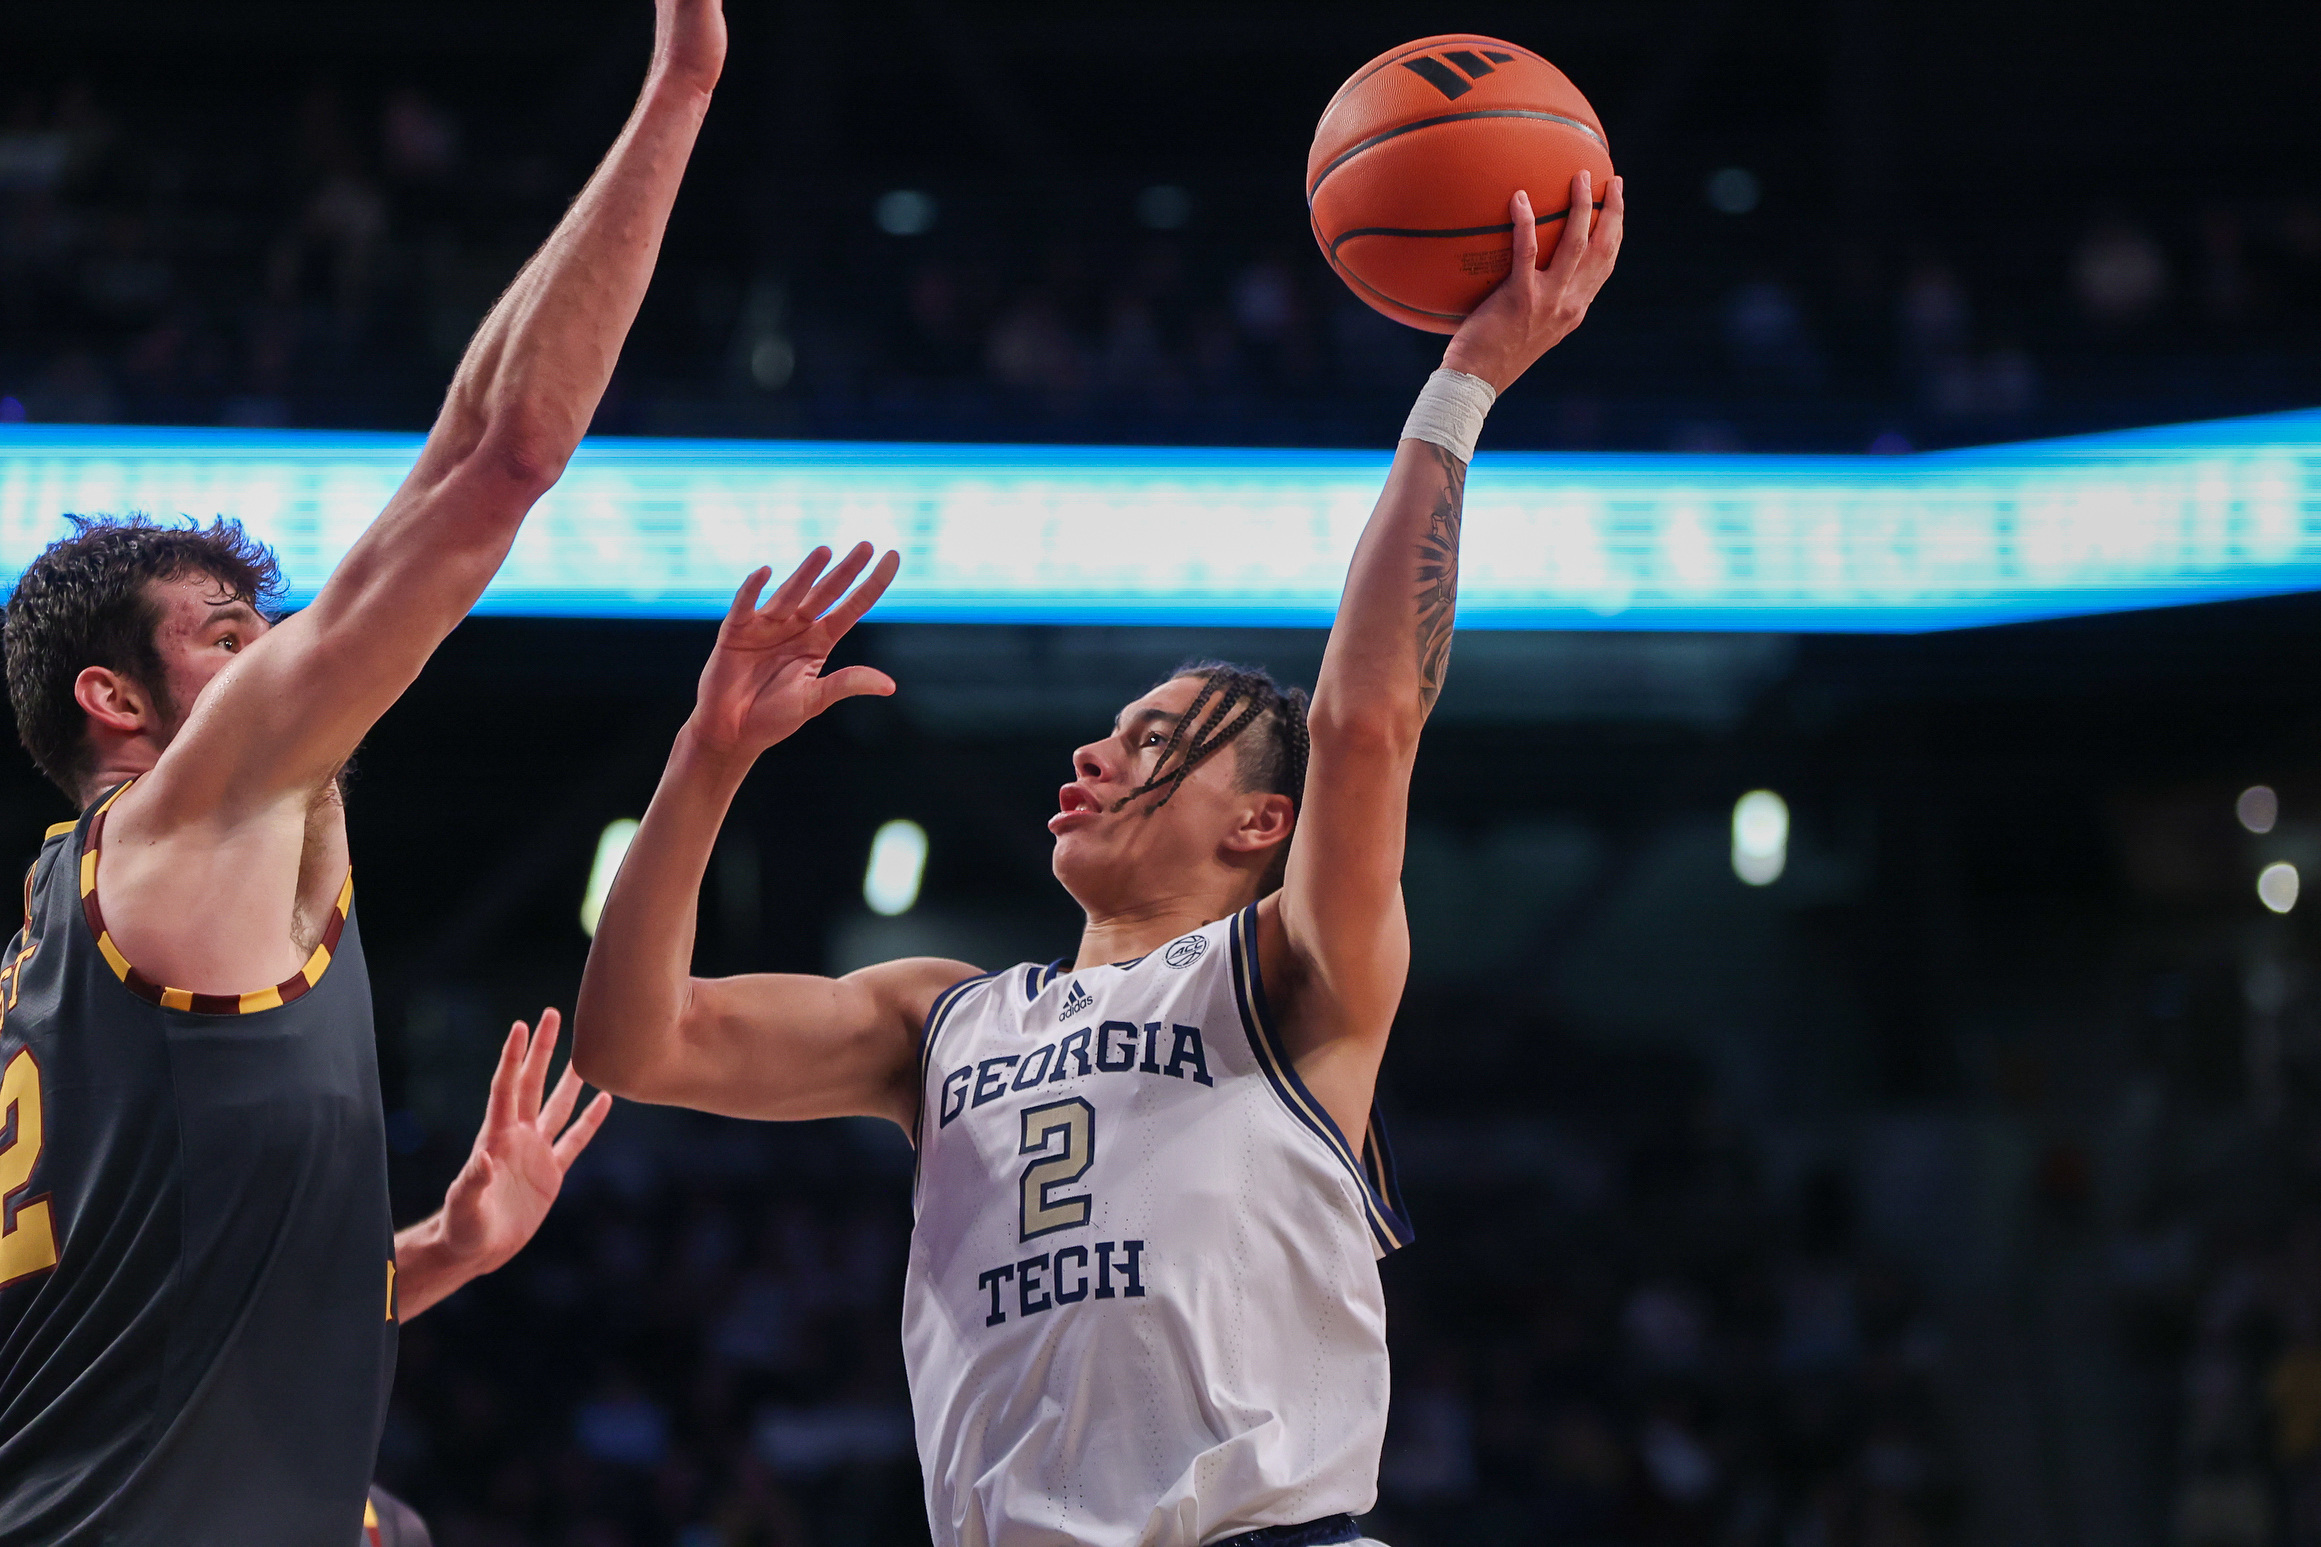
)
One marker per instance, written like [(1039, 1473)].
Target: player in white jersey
[(1142, 1306)]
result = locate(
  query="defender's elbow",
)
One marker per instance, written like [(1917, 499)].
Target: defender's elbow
[(527, 459)]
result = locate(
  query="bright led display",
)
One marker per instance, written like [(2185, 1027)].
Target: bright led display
[(1182, 535)]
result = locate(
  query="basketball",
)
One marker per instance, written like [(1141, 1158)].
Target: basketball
[(1416, 157)]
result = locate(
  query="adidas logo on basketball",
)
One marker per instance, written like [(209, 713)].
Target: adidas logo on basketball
[(1475, 63), (1074, 1002)]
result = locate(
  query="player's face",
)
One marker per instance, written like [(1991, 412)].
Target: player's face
[(1110, 858), (202, 627)]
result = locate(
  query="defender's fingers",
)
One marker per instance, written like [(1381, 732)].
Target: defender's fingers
[(536, 1059), (854, 682), (745, 600), (1571, 244), (500, 1104), (1526, 233), (833, 585), (801, 580), (560, 1101), (849, 612), (567, 1149)]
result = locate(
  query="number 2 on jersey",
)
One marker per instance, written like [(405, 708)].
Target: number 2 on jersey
[(27, 1233), (1073, 1121)]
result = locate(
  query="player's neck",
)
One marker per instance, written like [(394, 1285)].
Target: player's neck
[(1138, 929), (117, 765)]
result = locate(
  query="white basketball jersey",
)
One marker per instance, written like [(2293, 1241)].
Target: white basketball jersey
[(1142, 1308)]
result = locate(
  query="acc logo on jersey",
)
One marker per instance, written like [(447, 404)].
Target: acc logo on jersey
[(1185, 952)]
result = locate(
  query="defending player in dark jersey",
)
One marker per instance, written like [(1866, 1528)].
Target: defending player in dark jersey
[(389, 1522), (1141, 1308), (198, 1287)]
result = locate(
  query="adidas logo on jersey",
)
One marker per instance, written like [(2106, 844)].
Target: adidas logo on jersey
[(1074, 1002)]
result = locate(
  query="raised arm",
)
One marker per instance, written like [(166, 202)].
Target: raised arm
[(765, 1045), (1335, 938), (294, 706)]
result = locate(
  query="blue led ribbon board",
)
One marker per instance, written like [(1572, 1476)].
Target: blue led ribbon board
[(1015, 534)]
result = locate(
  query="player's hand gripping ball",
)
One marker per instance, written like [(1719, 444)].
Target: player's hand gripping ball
[(1416, 157)]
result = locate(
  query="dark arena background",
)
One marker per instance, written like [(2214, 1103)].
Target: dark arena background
[(1961, 1184)]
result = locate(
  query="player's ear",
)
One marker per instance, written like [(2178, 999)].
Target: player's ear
[(112, 700), (1268, 822)]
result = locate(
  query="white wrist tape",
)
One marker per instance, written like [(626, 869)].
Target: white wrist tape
[(1449, 412)]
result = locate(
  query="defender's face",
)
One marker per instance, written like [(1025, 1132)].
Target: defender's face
[(1107, 858), (202, 627)]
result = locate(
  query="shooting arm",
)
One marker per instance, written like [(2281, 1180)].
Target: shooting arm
[(1341, 944), (1338, 933)]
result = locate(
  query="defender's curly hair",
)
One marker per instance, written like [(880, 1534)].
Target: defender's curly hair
[(84, 602), (1234, 699)]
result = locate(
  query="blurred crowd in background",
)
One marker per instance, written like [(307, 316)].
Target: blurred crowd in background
[(2222, 1289), (321, 260)]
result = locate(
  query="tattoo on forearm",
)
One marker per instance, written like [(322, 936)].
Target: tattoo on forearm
[(1438, 577)]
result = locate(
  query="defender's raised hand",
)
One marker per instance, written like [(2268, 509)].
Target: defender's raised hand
[(1535, 308), (689, 40), (513, 1173), (765, 679), (522, 1151)]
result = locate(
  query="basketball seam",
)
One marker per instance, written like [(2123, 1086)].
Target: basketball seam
[(1356, 280), (1437, 121), (1352, 278), (1547, 219)]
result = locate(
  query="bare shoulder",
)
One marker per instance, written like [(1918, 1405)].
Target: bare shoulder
[(906, 989), (219, 906)]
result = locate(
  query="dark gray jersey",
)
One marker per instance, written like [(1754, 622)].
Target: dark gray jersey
[(197, 1322)]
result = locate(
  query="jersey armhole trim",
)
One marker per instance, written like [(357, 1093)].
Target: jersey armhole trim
[(1374, 1168), (938, 1014), (292, 987)]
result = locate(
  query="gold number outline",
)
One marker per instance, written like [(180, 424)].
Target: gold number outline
[(1075, 1119), (27, 1225)]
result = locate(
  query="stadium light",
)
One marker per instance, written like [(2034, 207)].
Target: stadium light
[(1760, 837), (2277, 886), (612, 846), (898, 859), (1253, 537)]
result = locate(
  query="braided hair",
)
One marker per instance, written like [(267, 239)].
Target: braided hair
[(1233, 699)]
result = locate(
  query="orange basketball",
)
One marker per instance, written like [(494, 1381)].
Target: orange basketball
[(1416, 157)]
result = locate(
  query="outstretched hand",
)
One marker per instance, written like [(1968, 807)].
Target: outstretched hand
[(521, 1153), (1535, 308), (765, 677)]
